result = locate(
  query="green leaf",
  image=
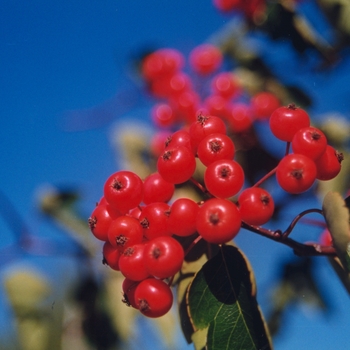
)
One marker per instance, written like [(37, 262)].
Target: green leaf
[(222, 298), (337, 218)]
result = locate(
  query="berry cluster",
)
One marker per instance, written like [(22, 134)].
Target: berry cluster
[(140, 223), (220, 92)]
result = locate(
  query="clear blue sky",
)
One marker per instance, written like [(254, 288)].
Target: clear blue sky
[(59, 56)]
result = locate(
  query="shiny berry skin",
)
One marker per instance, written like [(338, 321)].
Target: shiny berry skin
[(263, 104), (328, 164), (132, 264), (176, 165), (156, 189), (218, 220), (179, 138), (309, 141), (124, 232), (153, 220), (111, 256), (215, 147), (205, 59), (99, 222), (163, 257), (182, 217), (204, 126), (296, 173), (285, 121), (153, 297), (224, 178), (123, 190), (256, 206)]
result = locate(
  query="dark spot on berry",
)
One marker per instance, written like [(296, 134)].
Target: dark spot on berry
[(121, 240), (215, 146), (214, 218), (224, 172), (143, 305), (144, 223), (297, 173), (156, 253), (116, 184), (92, 221)]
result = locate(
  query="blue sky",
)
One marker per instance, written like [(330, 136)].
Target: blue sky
[(63, 56)]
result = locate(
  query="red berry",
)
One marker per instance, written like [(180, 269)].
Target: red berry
[(225, 85), (182, 217), (256, 206), (296, 173), (160, 63), (328, 164), (179, 138), (99, 222), (163, 257), (205, 58), (156, 189), (153, 219), (123, 190), (309, 141), (215, 147), (132, 263), (111, 256), (124, 232), (218, 106), (163, 115), (129, 287), (176, 165), (263, 104), (240, 118), (287, 120), (204, 126), (153, 297), (218, 221), (224, 178)]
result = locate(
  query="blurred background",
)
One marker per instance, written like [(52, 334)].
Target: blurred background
[(69, 85)]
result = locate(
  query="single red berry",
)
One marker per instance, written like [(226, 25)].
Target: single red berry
[(256, 206), (309, 141), (285, 121), (153, 220), (263, 104), (176, 165), (179, 138), (111, 256), (100, 220), (132, 263), (162, 62), (124, 232), (163, 257), (156, 189), (296, 173), (240, 118), (123, 190), (163, 115), (329, 164), (215, 147), (153, 297), (218, 221), (205, 59), (224, 178), (182, 217)]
